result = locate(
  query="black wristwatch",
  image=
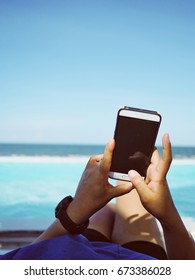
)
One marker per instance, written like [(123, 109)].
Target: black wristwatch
[(68, 224)]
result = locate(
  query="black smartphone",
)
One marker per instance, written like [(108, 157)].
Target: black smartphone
[(135, 135)]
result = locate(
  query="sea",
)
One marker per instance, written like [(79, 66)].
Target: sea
[(35, 177)]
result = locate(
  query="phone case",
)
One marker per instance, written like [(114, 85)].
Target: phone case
[(140, 110), (123, 174)]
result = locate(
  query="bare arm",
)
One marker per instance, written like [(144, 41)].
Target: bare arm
[(156, 198), (180, 245)]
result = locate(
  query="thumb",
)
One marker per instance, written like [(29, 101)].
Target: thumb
[(107, 157), (139, 184), (122, 189)]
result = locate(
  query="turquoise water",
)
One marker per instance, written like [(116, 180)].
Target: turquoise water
[(181, 180), (32, 190), (33, 178)]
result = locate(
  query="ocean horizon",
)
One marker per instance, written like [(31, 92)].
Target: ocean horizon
[(25, 149)]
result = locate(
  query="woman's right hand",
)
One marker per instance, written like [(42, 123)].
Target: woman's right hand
[(154, 191)]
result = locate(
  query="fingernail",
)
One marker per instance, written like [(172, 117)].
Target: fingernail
[(132, 173)]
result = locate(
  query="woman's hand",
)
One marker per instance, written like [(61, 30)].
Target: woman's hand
[(94, 191), (154, 191)]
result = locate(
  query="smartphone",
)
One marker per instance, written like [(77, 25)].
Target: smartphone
[(135, 135)]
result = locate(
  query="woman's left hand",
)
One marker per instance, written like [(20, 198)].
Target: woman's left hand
[(94, 191)]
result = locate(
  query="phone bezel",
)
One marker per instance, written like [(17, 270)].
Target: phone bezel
[(137, 114)]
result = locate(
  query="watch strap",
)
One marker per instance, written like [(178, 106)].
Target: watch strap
[(68, 224)]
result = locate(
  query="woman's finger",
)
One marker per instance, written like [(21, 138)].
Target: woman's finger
[(166, 155), (155, 156), (140, 185), (107, 157)]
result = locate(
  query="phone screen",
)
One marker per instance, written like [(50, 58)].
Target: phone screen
[(135, 139)]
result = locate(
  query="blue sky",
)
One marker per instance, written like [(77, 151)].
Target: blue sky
[(67, 66)]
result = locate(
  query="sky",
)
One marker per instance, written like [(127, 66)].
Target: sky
[(67, 66)]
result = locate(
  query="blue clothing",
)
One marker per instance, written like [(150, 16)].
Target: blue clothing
[(73, 247)]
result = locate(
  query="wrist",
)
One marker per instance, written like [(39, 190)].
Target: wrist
[(170, 221), (77, 212), (71, 223)]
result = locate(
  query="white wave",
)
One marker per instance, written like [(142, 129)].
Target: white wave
[(71, 159), (44, 159), (183, 161)]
